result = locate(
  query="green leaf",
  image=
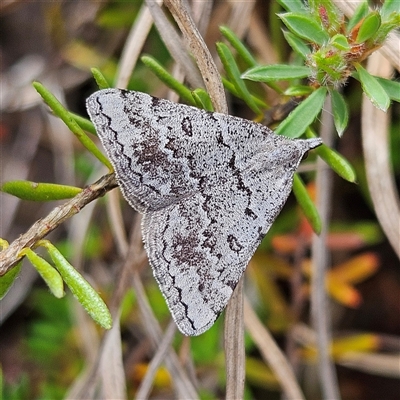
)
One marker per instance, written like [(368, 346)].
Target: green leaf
[(361, 12), (64, 115), (297, 44), (230, 87), (303, 115), (369, 27), (296, 6), (234, 76), (298, 90), (327, 13), (306, 204), (340, 42), (168, 79), (84, 123), (335, 160), (100, 79), (8, 279), (266, 73), (392, 88), (238, 45), (386, 28), (373, 89), (340, 111), (46, 271), (306, 27), (79, 287), (388, 8), (27, 190), (202, 99)]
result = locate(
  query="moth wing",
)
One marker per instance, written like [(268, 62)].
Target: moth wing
[(163, 151), (199, 247)]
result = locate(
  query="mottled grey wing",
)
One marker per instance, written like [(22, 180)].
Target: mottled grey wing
[(162, 151), (199, 247)]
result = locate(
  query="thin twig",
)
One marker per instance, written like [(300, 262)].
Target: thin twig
[(319, 305), (175, 45), (205, 62), (144, 389), (234, 348), (381, 182), (41, 228), (271, 353), (133, 45)]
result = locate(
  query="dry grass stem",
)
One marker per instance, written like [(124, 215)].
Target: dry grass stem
[(144, 389), (175, 45), (320, 314), (133, 45), (234, 345), (381, 183), (205, 62), (271, 353)]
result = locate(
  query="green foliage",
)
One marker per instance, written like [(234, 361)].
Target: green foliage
[(233, 73), (305, 27), (276, 72), (340, 111), (168, 79), (46, 271), (306, 204), (64, 115), (303, 115), (79, 287), (8, 279), (27, 190), (373, 89), (55, 278), (336, 161)]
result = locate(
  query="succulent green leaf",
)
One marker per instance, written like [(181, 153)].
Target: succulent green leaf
[(27, 190), (233, 73), (369, 27), (46, 271), (335, 160), (303, 115), (84, 123), (238, 45), (100, 79), (65, 116), (340, 111), (296, 6), (373, 89), (8, 279), (297, 44), (202, 99), (392, 88), (79, 287), (267, 73), (168, 79), (306, 204), (340, 42), (306, 27), (360, 13)]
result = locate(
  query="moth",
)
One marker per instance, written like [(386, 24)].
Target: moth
[(209, 186)]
